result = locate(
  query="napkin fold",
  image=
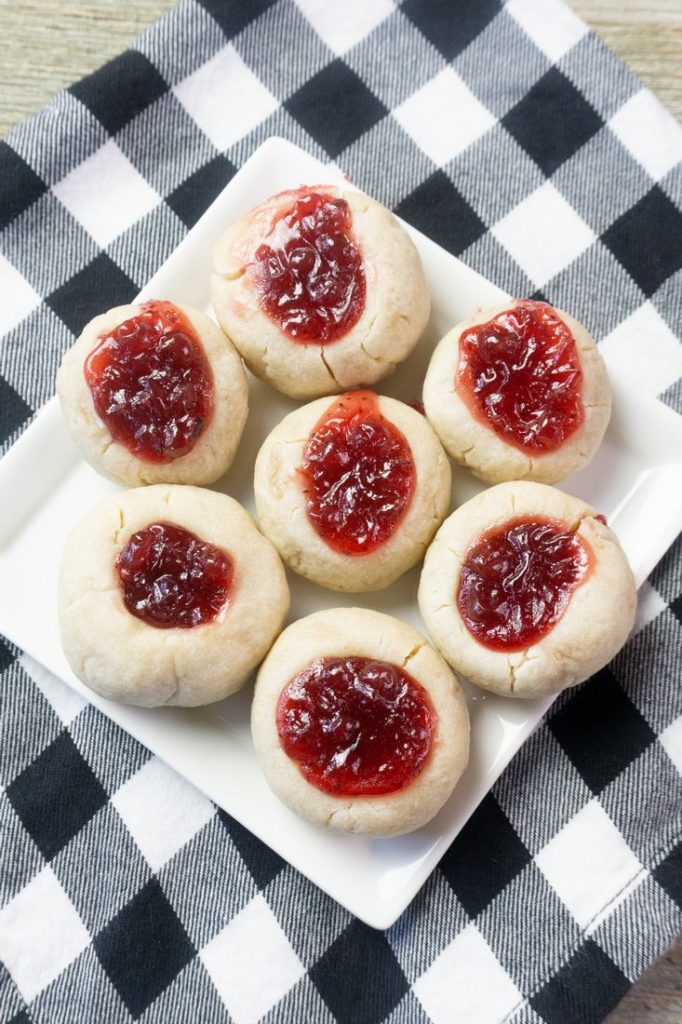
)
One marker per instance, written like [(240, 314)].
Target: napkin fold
[(514, 138)]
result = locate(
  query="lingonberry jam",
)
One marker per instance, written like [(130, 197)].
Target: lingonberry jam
[(517, 580), (173, 580), (309, 271), (151, 383), (356, 727), (520, 374), (358, 475)]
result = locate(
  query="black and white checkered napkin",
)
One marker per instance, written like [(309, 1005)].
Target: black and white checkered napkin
[(516, 140)]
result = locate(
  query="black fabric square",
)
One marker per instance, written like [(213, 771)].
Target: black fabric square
[(120, 90), (56, 795), (438, 210), (335, 107), (552, 121), (263, 863), (584, 991), (20, 186), (676, 608), (143, 948), (484, 857), (99, 285), (451, 26), (601, 730), (196, 193), (668, 874), (234, 15), (6, 656), (13, 412), (21, 1018), (647, 240), (359, 977)]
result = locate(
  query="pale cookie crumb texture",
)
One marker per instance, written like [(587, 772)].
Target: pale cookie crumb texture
[(475, 445), (357, 632), (397, 303), (122, 657), (281, 502), (215, 448), (593, 627)]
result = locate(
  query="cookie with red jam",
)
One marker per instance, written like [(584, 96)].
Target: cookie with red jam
[(526, 591), (351, 490), (321, 290), (358, 723), (519, 392), (168, 595), (154, 393)]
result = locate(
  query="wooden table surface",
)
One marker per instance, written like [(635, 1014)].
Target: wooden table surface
[(47, 45)]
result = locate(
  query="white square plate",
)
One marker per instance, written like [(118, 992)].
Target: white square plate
[(635, 479)]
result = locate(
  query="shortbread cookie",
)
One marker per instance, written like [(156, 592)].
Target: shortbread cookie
[(351, 490), (358, 723), (526, 590), (519, 392), (154, 393), (169, 595), (320, 290)]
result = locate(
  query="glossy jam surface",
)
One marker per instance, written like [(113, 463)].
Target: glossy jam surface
[(517, 580), (171, 579), (151, 383), (356, 727), (520, 373), (358, 475), (309, 271)]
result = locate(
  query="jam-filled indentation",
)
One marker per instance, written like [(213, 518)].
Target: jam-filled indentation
[(172, 579), (356, 727), (308, 271), (358, 474), (151, 383), (520, 374), (517, 580)]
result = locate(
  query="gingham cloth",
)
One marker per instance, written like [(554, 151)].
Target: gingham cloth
[(516, 140)]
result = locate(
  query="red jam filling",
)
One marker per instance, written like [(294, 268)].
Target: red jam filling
[(517, 580), (520, 374), (173, 580), (309, 271), (356, 727), (358, 475), (151, 383)]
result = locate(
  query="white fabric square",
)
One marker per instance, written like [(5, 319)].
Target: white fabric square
[(649, 605), (544, 234), (466, 982), (252, 963), (18, 297), (161, 810), (65, 702), (552, 26), (444, 117), (651, 134), (588, 862), (105, 194), (645, 350), (625, 894), (40, 934), (671, 741), (342, 27), (225, 98)]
